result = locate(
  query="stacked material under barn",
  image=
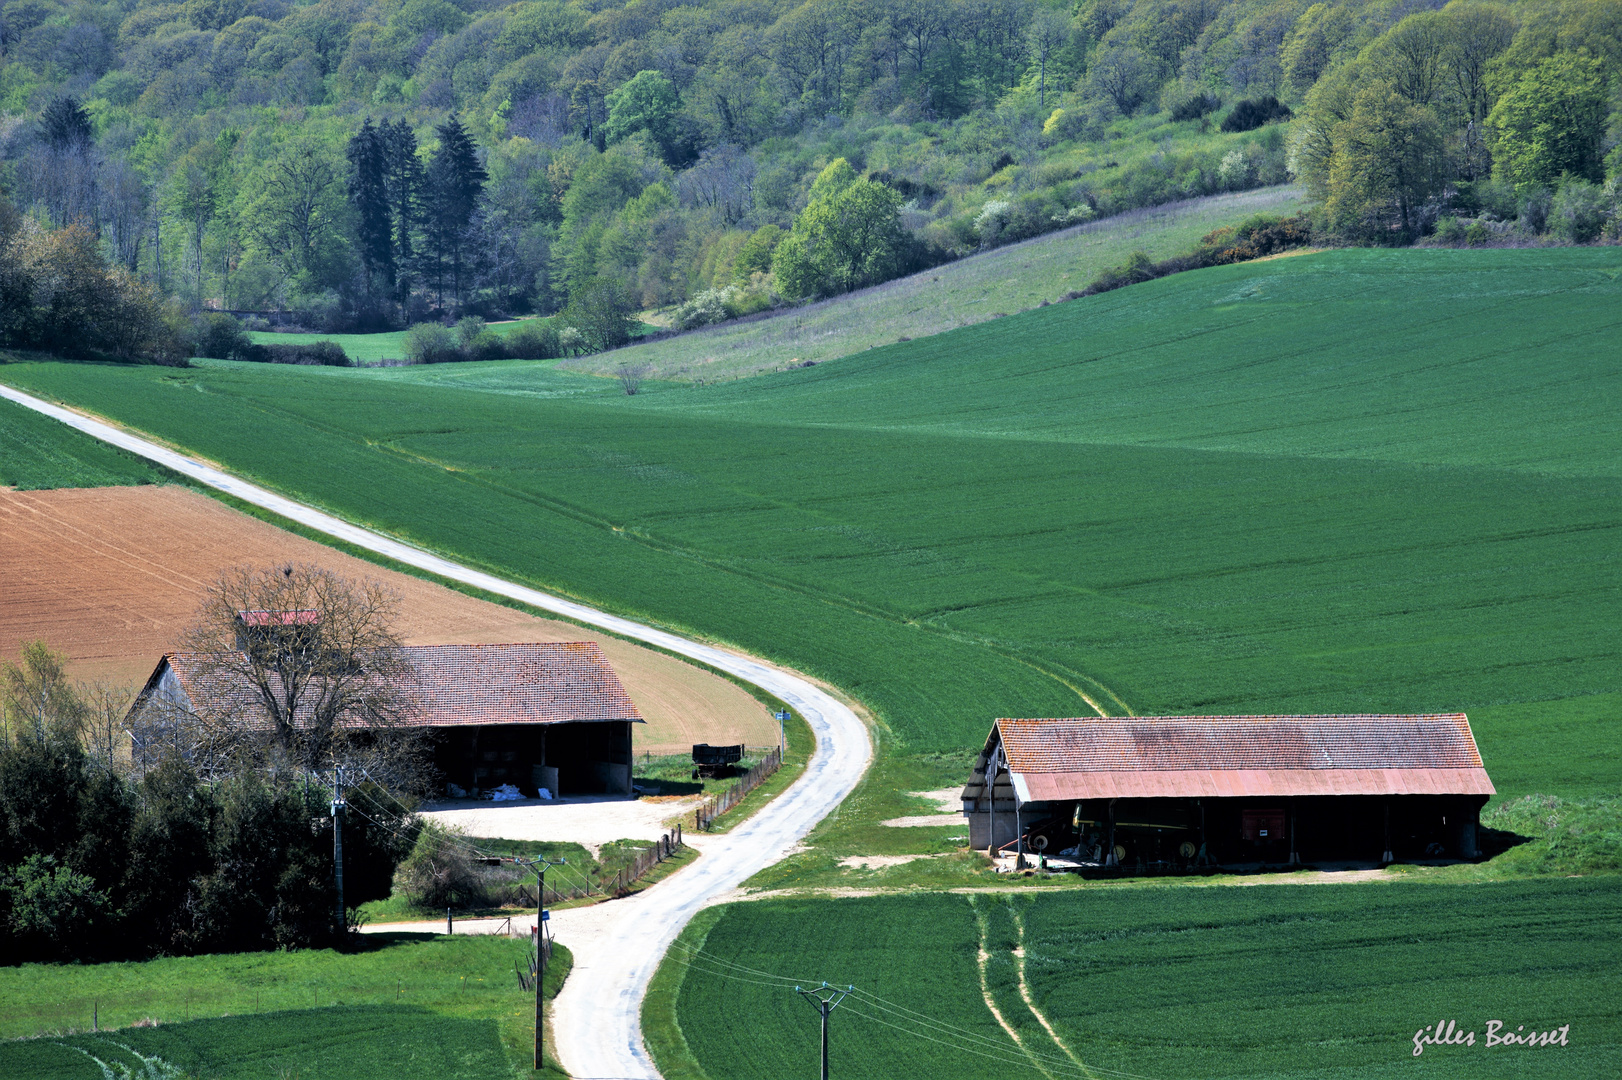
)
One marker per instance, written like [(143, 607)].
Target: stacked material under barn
[(1170, 791), (536, 715)]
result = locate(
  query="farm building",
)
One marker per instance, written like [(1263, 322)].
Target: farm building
[(1167, 792), (550, 715)]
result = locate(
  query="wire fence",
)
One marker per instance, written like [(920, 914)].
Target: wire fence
[(713, 807), (663, 848)]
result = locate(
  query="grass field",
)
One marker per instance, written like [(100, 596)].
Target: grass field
[(1218, 492), (1004, 281), (405, 1007), (37, 453), (360, 348), (1271, 981), (370, 348)]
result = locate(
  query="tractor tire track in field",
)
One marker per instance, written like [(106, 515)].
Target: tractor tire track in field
[(1025, 988), (597, 1016), (982, 961)]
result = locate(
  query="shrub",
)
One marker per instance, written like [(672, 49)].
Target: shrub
[(709, 306), (487, 345), (53, 912), (1195, 107), (222, 337), (439, 872), (1578, 213), (1252, 113), (601, 312), (313, 353), (468, 329), (1450, 230), (535, 339), (431, 343)]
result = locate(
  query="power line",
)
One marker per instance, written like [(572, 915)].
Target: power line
[(914, 1022)]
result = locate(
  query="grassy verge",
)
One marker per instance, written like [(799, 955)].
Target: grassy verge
[(972, 290), (661, 1026), (400, 1007), (802, 744)]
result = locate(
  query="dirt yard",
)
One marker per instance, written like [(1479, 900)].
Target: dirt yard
[(112, 576)]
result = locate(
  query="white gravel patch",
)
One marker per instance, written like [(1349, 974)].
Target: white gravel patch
[(587, 820)]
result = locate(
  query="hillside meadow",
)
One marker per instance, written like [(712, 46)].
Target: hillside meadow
[(1337, 482), (1153, 982), (979, 288)]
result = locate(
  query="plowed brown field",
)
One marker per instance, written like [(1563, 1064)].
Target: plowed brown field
[(112, 577)]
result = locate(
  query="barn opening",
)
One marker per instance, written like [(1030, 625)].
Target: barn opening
[(1181, 793), (550, 715)]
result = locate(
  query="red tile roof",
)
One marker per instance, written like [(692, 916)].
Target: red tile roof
[(1218, 756), (458, 685)]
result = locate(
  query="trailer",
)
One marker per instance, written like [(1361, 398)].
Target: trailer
[(715, 761)]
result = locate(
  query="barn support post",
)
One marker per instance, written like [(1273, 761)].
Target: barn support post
[(1385, 856), (1109, 851), (1295, 856)]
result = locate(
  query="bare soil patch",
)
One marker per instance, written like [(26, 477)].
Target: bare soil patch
[(112, 577)]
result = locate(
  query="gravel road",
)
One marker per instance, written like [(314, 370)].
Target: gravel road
[(597, 1016)]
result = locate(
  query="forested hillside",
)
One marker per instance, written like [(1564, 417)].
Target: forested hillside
[(374, 163)]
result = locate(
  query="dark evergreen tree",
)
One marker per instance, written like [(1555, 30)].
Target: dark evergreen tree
[(454, 187), (402, 172), (64, 125), (368, 194)]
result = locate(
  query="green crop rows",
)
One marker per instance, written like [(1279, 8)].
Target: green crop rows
[(1347, 481), (1270, 981), (366, 1042), (400, 1007), (37, 452)]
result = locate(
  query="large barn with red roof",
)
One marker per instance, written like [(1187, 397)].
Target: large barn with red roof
[(540, 715), (1167, 792)]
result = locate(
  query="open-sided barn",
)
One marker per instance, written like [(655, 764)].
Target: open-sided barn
[(1174, 791), (550, 715)]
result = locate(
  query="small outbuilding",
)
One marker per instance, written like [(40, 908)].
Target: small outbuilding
[(1178, 792), (548, 715)]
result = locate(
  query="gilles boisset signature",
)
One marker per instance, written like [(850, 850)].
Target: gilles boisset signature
[(1448, 1033)]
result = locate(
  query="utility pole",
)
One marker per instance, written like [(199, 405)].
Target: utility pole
[(338, 806), (540, 866), (826, 999)]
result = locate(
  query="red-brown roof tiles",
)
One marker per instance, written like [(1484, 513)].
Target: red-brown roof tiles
[(1220, 756), (456, 685)]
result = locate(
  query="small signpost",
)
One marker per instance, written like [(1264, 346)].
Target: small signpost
[(782, 738)]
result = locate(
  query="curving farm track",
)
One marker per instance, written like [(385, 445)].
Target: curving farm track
[(597, 1016)]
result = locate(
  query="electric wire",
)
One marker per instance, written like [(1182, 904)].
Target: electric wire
[(912, 1021), (455, 841)]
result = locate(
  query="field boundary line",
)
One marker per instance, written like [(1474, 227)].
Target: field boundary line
[(600, 1006)]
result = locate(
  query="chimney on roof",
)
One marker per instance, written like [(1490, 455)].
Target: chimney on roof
[(283, 629)]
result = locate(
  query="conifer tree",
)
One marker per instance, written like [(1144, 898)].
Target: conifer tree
[(403, 189), (368, 194), (454, 187)]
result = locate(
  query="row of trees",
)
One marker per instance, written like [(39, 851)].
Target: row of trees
[(517, 156), (99, 860), (172, 830)]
